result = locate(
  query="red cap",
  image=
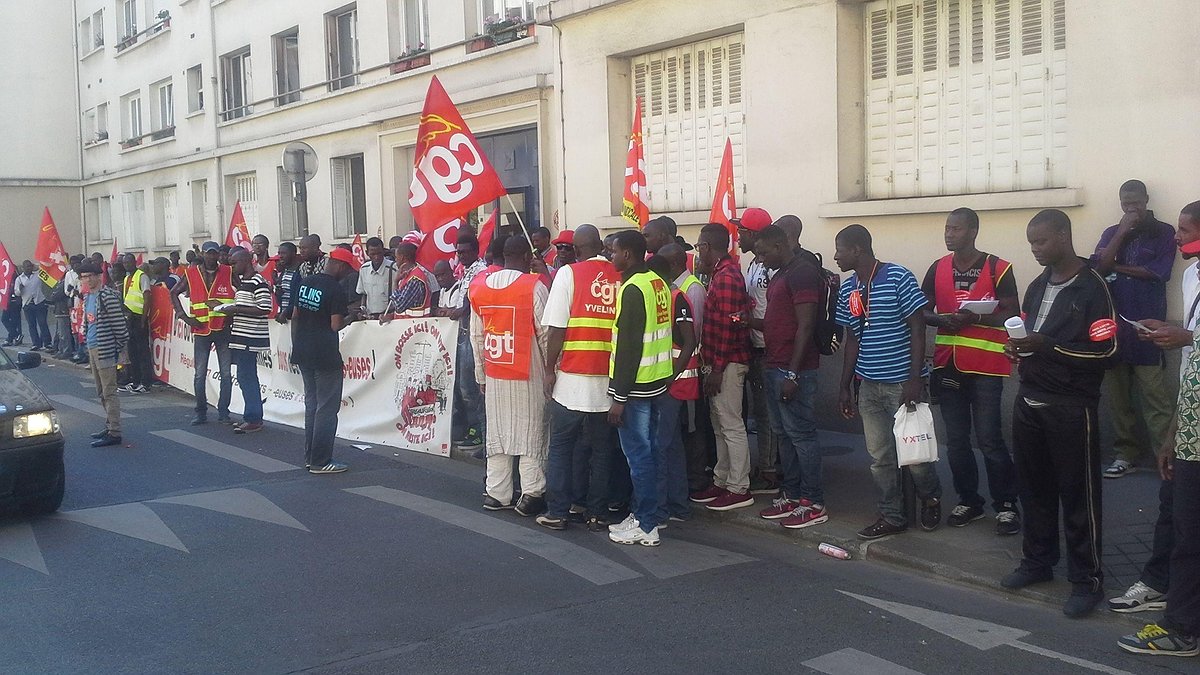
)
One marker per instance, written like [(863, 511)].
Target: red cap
[(345, 256), (753, 219), (565, 237)]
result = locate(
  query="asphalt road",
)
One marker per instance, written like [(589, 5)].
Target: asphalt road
[(196, 550)]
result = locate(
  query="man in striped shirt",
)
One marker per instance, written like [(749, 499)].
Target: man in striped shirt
[(248, 335), (105, 334), (880, 304)]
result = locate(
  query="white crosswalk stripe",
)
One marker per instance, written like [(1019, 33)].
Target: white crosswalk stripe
[(82, 405), (134, 520), (854, 662), (238, 502), (225, 451), (18, 544)]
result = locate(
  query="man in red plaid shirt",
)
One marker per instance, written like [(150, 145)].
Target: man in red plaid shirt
[(725, 348)]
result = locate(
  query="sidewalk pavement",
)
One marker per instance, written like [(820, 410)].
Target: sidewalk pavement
[(973, 554)]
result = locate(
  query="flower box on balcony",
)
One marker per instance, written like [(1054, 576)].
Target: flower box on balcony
[(480, 43), (410, 63), (131, 143), (162, 133)]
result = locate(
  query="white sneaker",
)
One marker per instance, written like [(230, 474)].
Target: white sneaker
[(635, 535), (1139, 598), (1118, 468), (629, 523)]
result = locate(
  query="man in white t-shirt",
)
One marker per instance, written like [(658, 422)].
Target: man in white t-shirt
[(579, 316), (762, 473)]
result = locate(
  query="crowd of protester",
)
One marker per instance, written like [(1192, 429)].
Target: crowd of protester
[(615, 382)]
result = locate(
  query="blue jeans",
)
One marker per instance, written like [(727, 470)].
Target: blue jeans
[(201, 346), (39, 329), (795, 427), (470, 400), (877, 404), (672, 462), (638, 432), (247, 375), (578, 438), (967, 399)]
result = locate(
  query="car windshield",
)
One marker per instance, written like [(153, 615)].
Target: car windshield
[(6, 363)]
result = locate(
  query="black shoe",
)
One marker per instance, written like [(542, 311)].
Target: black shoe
[(881, 528), (1008, 521), (964, 514), (224, 420), (931, 514), (528, 505), (106, 440), (1021, 577), (577, 514), (598, 524), (551, 522), (198, 420), (492, 504), (1081, 603), (99, 434)]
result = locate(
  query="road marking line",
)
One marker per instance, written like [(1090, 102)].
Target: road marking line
[(854, 662), (571, 557), (83, 405), (1066, 658), (238, 502), (134, 520), (225, 451), (682, 557), (18, 544)]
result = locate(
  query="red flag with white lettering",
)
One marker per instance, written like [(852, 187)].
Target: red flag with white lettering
[(238, 234), (724, 207), (451, 175), (486, 231), (8, 272), (49, 254), (357, 248), (439, 245), (634, 207)]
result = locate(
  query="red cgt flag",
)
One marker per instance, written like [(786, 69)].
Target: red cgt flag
[(451, 175), (238, 234), (634, 207), (7, 274), (724, 206), (487, 230), (438, 245), (49, 254), (357, 248)]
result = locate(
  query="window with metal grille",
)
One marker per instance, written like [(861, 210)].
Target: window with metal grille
[(964, 96), (691, 102)]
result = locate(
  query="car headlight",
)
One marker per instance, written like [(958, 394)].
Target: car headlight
[(35, 424)]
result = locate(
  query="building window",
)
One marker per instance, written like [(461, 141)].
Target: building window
[(235, 70), (287, 67), (164, 105), (245, 191), (102, 122), (691, 103), (131, 116), (965, 96), (166, 216), (89, 126), (416, 25), (134, 211), (341, 29), (195, 89), (200, 208), (494, 11), (288, 222), (129, 19), (349, 196), (104, 218), (91, 33)]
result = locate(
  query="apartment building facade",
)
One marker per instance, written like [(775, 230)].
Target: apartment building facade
[(185, 108), (886, 112)]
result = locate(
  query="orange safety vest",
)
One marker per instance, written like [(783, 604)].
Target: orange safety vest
[(976, 349), (222, 289), (508, 328), (686, 387), (421, 310), (587, 342)]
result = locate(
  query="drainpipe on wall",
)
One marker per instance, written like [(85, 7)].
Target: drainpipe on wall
[(212, 77), (562, 119), (83, 224)]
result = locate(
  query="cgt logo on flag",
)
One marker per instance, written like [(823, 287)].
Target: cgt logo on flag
[(50, 255)]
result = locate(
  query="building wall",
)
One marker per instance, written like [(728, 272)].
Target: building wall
[(1131, 109)]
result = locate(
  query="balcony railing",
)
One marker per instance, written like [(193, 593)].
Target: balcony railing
[(163, 23)]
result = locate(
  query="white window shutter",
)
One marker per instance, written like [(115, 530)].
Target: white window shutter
[(904, 101), (341, 199), (1034, 115), (246, 191), (170, 217), (287, 207), (879, 117)]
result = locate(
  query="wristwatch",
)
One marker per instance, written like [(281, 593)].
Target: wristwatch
[(789, 375), (706, 370)]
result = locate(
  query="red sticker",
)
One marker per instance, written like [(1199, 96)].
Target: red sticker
[(1102, 330), (856, 306)]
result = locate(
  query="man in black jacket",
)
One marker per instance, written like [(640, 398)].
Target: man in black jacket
[(1071, 341)]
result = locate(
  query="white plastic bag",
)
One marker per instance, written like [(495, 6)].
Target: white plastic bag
[(916, 440)]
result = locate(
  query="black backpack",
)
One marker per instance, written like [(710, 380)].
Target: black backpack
[(827, 334)]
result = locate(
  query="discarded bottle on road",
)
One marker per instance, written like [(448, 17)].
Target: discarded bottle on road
[(834, 551)]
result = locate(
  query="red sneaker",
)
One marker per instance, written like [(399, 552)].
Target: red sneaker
[(707, 494), (809, 514), (780, 508), (730, 501)]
